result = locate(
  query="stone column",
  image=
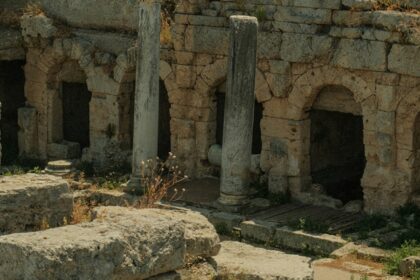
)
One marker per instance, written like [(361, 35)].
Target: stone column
[(146, 108), (239, 112)]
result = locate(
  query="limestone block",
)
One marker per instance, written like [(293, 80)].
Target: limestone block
[(290, 27), (126, 247), (276, 108), (359, 4), (305, 48), (205, 137), (238, 260), (262, 90), (27, 201), (393, 20), (215, 73), (257, 231), (360, 54), (185, 76), (111, 42), (213, 40), (164, 70), (37, 25), (64, 150), (280, 67), (279, 84), (404, 59), (269, 45), (303, 15), (27, 121), (278, 181), (201, 238), (11, 38), (385, 122), (326, 4), (387, 98), (352, 18), (99, 81)]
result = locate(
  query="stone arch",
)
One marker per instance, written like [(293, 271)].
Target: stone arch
[(408, 136), (306, 88), (298, 125), (213, 77)]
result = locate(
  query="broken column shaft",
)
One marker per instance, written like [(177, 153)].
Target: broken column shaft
[(239, 112), (146, 108)]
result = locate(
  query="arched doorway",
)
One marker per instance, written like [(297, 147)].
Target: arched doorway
[(258, 114), (164, 132), (12, 97), (76, 116), (416, 151), (337, 155)]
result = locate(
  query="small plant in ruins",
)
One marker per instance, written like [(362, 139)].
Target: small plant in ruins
[(167, 16), (160, 180)]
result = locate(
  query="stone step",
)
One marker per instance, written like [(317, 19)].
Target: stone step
[(269, 233), (238, 260)]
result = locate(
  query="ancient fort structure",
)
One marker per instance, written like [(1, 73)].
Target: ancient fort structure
[(337, 86)]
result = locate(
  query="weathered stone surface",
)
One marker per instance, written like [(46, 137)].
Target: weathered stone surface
[(239, 111), (30, 201), (409, 265), (37, 25), (323, 244), (207, 39), (360, 54), (303, 15), (305, 48), (241, 261), (404, 59), (202, 271), (125, 247), (200, 236)]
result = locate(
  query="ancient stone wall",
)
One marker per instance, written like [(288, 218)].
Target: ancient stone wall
[(304, 47)]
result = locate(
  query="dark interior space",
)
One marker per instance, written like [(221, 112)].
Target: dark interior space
[(258, 114), (76, 98), (12, 97), (164, 133), (337, 153), (416, 147)]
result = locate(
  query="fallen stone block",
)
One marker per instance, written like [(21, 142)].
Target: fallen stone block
[(323, 244), (29, 201), (122, 248), (242, 261), (201, 237)]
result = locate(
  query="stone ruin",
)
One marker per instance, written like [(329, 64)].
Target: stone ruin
[(337, 85)]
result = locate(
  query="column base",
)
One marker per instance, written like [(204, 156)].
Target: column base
[(134, 186), (232, 203)]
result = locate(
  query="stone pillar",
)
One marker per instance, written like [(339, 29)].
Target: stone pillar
[(146, 108), (239, 112)]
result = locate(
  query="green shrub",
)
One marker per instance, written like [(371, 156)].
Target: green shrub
[(409, 248)]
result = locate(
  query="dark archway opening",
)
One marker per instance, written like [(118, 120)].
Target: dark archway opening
[(258, 114), (12, 97), (416, 148), (337, 153), (164, 132), (76, 114), (164, 135)]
